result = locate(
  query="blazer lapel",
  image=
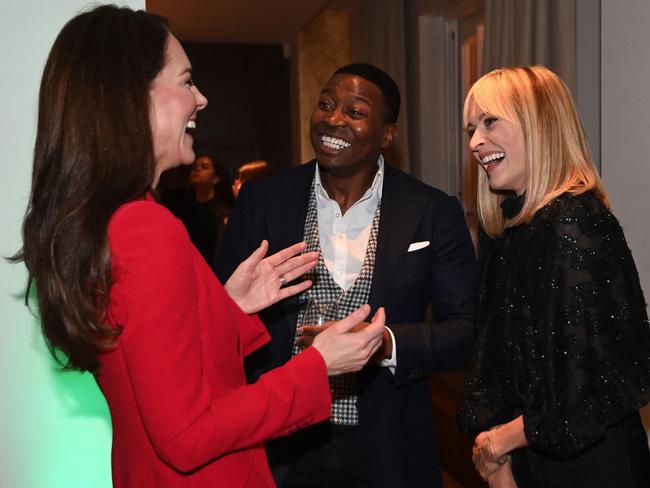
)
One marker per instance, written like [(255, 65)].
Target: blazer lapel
[(287, 213), (289, 205), (401, 210)]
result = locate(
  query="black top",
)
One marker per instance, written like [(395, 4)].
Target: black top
[(562, 331), (204, 221)]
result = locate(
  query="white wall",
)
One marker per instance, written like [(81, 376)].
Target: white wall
[(625, 125), (54, 427)]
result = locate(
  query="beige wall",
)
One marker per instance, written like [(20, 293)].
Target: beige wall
[(322, 46)]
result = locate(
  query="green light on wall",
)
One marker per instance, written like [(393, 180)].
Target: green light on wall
[(56, 424)]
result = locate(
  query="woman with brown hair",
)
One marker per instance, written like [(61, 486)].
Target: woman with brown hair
[(122, 292), (562, 356), (204, 204)]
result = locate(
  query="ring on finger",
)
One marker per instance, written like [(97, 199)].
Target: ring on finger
[(283, 280)]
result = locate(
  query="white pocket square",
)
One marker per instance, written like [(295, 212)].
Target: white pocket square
[(418, 245)]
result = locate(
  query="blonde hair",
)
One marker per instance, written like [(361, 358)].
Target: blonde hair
[(557, 155)]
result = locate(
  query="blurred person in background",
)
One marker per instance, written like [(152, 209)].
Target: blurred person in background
[(204, 205), (251, 171)]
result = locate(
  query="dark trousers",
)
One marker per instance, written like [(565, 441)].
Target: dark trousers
[(322, 456), (621, 459)]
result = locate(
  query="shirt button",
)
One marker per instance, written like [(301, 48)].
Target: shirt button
[(337, 215)]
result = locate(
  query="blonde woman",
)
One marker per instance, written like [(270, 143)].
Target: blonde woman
[(562, 357)]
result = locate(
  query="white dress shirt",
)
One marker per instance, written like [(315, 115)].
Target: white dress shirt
[(344, 237)]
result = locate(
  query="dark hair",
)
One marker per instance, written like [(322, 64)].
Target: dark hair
[(383, 81), (93, 152), (222, 188)]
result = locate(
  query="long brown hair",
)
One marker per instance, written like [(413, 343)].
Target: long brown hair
[(93, 152), (558, 159)]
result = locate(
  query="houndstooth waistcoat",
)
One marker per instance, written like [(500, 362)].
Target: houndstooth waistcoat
[(340, 304)]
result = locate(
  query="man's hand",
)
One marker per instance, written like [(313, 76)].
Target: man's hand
[(307, 333)]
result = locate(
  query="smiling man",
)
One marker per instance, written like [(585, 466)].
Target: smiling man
[(386, 239)]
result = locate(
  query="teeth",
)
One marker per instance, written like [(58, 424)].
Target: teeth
[(334, 142), (488, 159), (191, 124)]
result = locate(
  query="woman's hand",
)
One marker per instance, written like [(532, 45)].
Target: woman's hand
[(492, 448), (486, 460), (502, 477), (259, 282), (345, 350)]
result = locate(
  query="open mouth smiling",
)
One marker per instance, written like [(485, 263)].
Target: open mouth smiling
[(190, 127), (334, 143), (492, 159)]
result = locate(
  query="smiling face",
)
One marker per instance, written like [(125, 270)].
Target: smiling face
[(498, 146), (174, 104), (348, 128)]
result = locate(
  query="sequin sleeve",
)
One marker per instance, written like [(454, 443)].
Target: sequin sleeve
[(587, 352), (484, 402)]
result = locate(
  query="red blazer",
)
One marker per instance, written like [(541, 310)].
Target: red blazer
[(182, 412)]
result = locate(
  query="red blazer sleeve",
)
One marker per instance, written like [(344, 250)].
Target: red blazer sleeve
[(156, 294), (253, 334)]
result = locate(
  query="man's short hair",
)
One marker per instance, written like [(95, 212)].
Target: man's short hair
[(382, 80)]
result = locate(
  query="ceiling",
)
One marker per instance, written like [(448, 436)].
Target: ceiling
[(270, 21), (236, 21), (450, 9)]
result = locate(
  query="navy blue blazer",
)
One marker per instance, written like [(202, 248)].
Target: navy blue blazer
[(395, 411)]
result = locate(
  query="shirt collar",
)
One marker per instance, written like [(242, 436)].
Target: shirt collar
[(374, 190)]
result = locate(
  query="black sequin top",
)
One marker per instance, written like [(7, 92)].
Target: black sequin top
[(562, 331)]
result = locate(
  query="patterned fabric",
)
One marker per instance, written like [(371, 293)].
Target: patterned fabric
[(562, 333), (327, 301)]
